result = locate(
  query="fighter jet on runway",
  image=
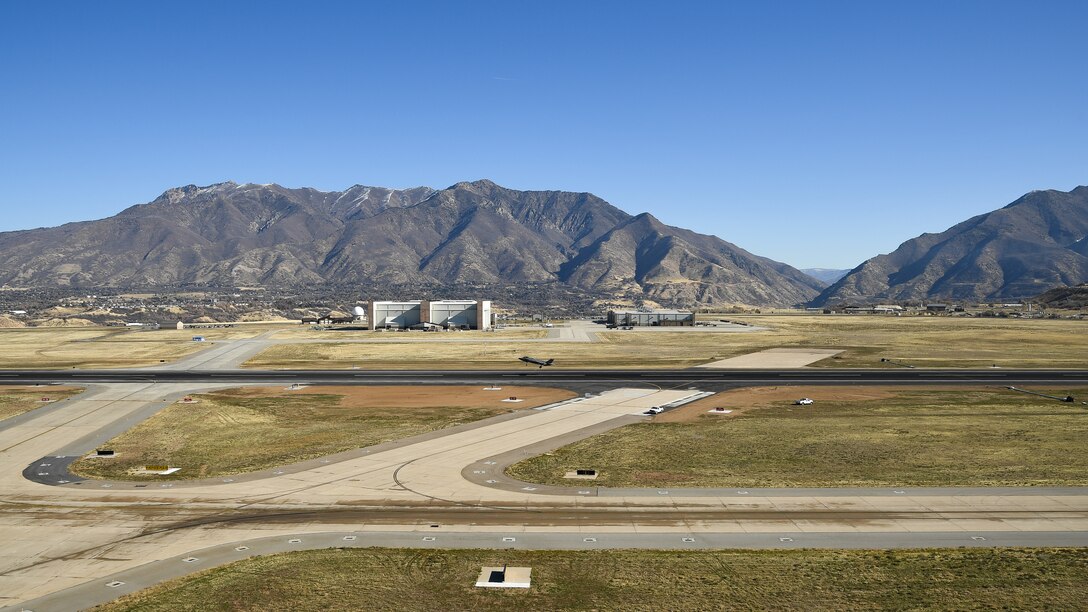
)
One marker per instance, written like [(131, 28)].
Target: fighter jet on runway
[(534, 360)]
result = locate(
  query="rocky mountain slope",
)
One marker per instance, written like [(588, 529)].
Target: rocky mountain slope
[(1064, 297), (229, 234), (1037, 242)]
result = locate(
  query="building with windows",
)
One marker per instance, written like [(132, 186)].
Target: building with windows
[(662, 318), (423, 314)]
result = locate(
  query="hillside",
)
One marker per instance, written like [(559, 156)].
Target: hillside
[(1035, 243), (267, 235)]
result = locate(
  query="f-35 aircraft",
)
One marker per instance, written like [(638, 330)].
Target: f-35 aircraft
[(534, 360)]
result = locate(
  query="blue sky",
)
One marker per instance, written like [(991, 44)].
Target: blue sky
[(819, 134)]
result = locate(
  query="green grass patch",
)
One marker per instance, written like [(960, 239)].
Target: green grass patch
[(990, 437), (407, 580)]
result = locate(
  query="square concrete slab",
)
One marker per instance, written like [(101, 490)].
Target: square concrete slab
[(504, 577)]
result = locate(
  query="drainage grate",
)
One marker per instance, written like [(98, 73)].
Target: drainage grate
[(589, 539), (190, 559), (688, 540), (114, 584), (509, 539), (294, 541), (429, 538), (241, 548), (349, 538)]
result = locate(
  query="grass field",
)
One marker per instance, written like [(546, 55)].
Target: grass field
[(16, 400), (408, 580), (938, 342), (306, 332), (243, 430), (864, 340), (104, 347), (851, 437)]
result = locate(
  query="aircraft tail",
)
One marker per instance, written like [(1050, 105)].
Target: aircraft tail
[(549, 362)]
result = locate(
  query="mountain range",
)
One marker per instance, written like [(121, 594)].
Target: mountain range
[(473, 232), (479, 233), (1038, 242)]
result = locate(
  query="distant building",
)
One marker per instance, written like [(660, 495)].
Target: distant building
[(651, 318), (424, 314)]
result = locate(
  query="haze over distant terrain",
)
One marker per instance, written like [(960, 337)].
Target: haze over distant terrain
[(825, 275), (229, 234)]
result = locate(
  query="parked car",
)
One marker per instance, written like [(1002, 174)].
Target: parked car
[(655, 410), (804, 401)]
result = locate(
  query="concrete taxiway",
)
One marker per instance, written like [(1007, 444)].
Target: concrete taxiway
[(60, 535)]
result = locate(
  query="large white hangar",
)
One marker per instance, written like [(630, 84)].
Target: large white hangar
[(421, 314)]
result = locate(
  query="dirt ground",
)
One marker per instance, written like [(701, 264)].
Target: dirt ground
[(753, 398), (419, 396)]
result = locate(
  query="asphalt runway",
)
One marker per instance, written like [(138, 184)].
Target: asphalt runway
[(313, 499), (537, 375)]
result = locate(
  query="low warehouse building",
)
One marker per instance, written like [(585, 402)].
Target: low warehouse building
[(645, 318), (422, 314)]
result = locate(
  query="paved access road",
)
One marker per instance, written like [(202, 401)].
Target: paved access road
[(147, 575)]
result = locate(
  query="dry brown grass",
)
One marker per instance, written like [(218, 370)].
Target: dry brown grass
[(896, 437), (306, 332), (244, 430), (105, 347), (407, 580), (928, 341), (922, 341), (15, 400)]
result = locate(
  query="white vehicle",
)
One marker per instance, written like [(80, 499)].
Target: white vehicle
[(655, 410), (804, 401), (548, 325)]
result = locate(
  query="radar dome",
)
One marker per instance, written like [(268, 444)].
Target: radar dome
[(359, 311)]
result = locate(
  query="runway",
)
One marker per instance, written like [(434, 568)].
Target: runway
[(548, 375), (83, 536)]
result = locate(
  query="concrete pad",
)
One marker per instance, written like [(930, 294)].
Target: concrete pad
[(774, 358), (504, 577)]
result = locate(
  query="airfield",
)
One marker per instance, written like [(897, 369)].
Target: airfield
[(73, 542)]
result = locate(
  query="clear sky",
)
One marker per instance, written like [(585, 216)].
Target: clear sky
[(815, 133)]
